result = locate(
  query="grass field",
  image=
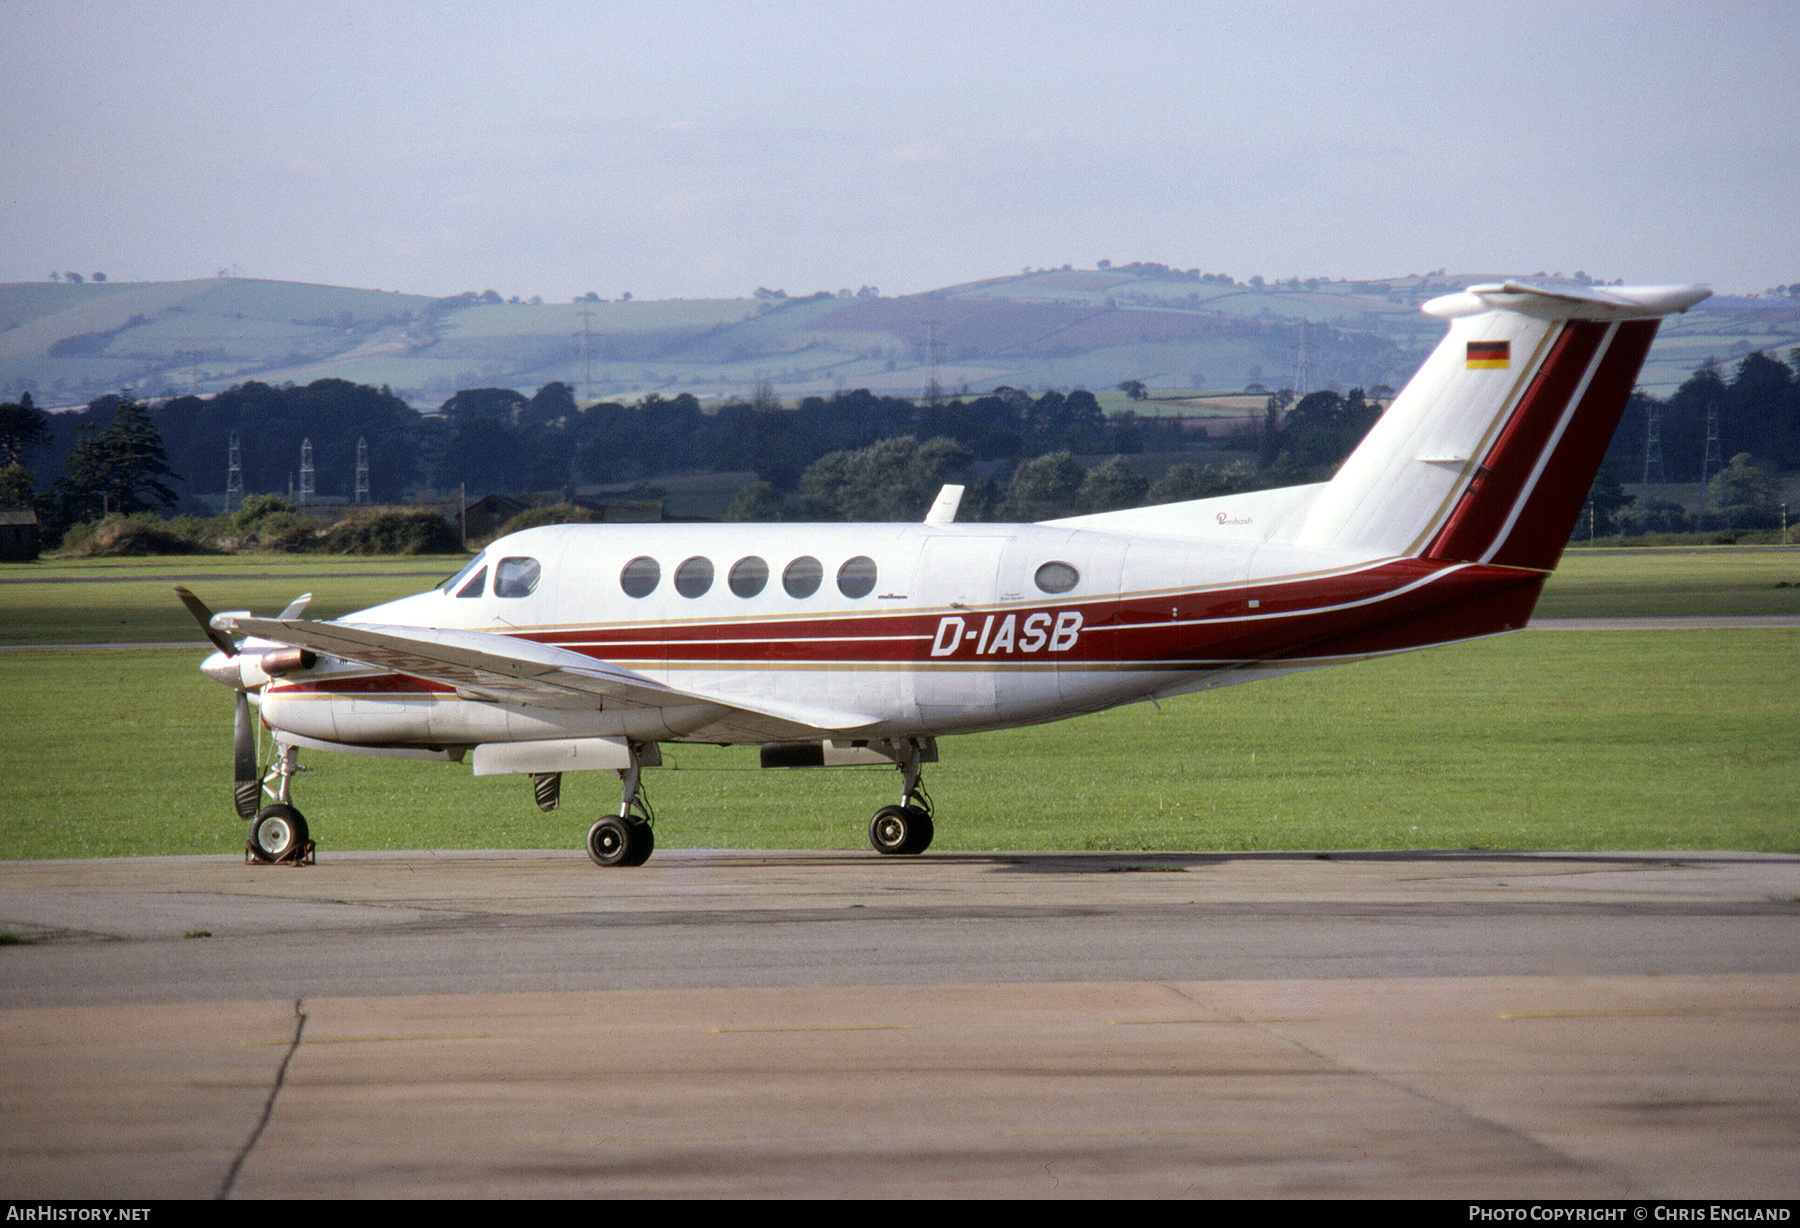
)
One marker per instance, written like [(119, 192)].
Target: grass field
[(105, 601), (99, 601), (1674, 583), (1548, 739)]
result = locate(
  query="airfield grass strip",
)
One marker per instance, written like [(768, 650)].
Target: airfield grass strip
[(96, 601), (1546, 739), (119, 601)]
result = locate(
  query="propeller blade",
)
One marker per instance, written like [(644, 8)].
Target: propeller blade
[(246, 782), (203, 616), (296, 607)]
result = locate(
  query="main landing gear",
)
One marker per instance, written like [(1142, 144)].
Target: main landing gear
[(905, 829), (627, 839)]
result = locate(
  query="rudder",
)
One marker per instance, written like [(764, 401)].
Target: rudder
[(1489, 451)]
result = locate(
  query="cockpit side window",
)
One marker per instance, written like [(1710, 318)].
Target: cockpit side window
[(455, 582), (516, 577), (474, 587)]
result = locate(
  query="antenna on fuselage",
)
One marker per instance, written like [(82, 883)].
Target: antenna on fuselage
[(943, 508)]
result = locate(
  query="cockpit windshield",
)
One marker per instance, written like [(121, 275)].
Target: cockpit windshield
[(455, 581)]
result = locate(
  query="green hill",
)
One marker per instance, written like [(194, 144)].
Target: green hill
[(1177, 332)]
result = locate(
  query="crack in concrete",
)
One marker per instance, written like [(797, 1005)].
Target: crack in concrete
[(237, 1164)]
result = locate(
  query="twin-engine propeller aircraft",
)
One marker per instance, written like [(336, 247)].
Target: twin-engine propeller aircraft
[(581, 646)]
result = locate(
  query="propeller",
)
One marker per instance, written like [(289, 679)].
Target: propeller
[(203, 616), (246, 779)]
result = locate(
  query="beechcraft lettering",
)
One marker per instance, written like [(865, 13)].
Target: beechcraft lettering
[(596, 644), (1038, 632)]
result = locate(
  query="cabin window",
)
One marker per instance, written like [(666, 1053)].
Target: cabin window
[(694, 577), (802, 577), (455, 582), (474, 587), (749, 576), (856, 578), (1057, 577), (640, 577), (516, 577)]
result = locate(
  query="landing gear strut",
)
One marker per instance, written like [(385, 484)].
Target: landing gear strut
[(278, 834), (627, 838), (906, 828)]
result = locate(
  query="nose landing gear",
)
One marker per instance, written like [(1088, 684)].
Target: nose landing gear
[(278, 834)]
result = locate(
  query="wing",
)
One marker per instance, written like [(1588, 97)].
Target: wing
[(510, 669)]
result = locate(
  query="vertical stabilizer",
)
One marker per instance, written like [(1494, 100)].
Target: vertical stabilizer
[(1489, 451)]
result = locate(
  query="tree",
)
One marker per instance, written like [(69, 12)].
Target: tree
[(893, 480), (499, 404), (23, 427), (757, 502), (1183, 481), (1747, 494), (1607, 499), (1043, 488), (1111, 485), (486, 455), (1320, 431), (16, 487), (122, 469)]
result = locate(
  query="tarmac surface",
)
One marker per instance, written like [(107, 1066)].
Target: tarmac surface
[(1435, 1024)]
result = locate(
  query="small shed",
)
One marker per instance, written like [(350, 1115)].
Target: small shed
[(18, 535)]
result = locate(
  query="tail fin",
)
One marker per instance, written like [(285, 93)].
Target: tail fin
[(1489, 451)]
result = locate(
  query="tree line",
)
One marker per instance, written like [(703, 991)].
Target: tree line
[(1754, 410), (854, 455)]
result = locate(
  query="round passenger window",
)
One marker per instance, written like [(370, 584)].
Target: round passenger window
[(802, 577), (749, 576), (1057, 577), (694, 577), (856, 578), (640, 577)]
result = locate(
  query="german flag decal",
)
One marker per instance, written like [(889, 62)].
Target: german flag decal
[(1490, 354)]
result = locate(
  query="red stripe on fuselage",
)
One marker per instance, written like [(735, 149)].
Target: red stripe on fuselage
[(1397, 604)]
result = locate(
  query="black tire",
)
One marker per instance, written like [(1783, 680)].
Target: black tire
[(615, 842), (279, 831), (923, 830), (900, 830), (643, 843)]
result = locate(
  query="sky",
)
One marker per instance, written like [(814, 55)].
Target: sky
[(690, 149)]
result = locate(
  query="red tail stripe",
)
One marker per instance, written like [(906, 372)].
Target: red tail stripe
[(1542, 528), (1504, 472)]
